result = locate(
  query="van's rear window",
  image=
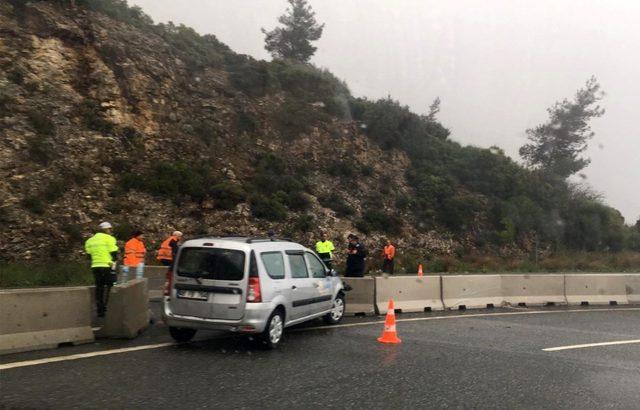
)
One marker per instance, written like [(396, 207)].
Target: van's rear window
[(211, 263)]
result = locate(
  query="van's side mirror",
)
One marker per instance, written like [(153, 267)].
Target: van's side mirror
[(332, 272)]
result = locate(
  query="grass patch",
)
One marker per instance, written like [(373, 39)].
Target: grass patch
[(32, 275)]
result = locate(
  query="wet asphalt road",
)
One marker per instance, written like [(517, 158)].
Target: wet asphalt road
[(462, 361)]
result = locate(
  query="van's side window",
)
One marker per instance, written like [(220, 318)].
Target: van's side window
[(298, 267), (274, 263), (315, 266)]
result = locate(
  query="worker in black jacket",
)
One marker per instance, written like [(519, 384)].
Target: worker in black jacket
[(356, 254)]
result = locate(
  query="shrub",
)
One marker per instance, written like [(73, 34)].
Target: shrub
[(308, 84), (196, 51), (227, 195), (267, 208), (381, 221), (40, 149), (273, 175), (402, 202), (62, 273), (171, 180), (337, 203), (123, 230), (55, 189), (297, 201), (295, 117), (245, 122), (73, 231), (16, 76), (80, 175), (5, 215), (366, 170), (341, 169), (248, 75), (132, 137), (305, 223), (41, 123), (90, 112), (205, 130), (33, 204), (6, 103)]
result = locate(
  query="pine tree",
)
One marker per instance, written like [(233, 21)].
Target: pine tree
[(293, 41), (555, 146)]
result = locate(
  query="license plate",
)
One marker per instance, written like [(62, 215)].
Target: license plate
[(193, 294)]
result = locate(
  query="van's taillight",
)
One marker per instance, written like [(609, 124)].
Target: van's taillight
[(167, 283), (254, 294)]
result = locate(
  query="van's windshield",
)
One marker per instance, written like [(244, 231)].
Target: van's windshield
[(211, 263)]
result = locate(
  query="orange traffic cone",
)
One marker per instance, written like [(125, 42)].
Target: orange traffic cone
[(420, 269), (389, 335)]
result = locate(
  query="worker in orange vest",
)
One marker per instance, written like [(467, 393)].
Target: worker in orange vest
[(134, 253), (388, 254), (169, 248)]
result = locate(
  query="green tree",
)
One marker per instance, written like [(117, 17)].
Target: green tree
[(293, 41), (556, 146)]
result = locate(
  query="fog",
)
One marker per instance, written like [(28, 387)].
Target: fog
[(496, 64)]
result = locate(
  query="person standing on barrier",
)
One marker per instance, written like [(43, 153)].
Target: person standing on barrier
[(388, 255), (169, 248), (103, 250), (356, 254), (324, 249), (134, 253)]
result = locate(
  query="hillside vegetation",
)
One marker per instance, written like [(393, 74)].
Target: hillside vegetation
[(108, 116)]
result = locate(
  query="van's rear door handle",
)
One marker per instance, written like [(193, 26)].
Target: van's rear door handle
[(294, 287)]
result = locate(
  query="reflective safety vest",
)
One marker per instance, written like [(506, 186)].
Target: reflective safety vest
[(100, 246), (389, 252), (165, 252), (324, 247), (134, 252)]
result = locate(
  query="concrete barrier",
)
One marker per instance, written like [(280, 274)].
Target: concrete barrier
[(471, 291), (409, 293), (632, 287), (43, 318), (597, 288), (531, 290), (360, 300), (156, 275), (127, 310)]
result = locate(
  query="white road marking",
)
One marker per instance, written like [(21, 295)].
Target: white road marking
[(377, 322), (81, 356), (619, 342), (418, 319)]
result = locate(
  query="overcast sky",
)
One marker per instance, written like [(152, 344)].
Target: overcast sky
[(496, 64)]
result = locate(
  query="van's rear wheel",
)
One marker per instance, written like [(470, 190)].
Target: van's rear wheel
[(182, 334), (337, 312), (274, 330)]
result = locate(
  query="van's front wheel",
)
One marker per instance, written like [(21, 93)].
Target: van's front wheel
[(337, 312), (182, 334), (274, 330)]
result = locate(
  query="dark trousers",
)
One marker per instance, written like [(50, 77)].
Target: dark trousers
[(355, 270), (387, 266), (165, 262), (104, 280)]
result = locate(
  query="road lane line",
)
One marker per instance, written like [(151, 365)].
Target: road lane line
[(82, 356), (419, 319), (619, 342), (346, 325)]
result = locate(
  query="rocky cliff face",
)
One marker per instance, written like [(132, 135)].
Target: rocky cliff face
[(85, 99)]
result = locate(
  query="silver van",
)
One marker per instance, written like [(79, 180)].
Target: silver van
[(248, 285)]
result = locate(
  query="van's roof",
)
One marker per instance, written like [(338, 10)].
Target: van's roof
[(244, 242)]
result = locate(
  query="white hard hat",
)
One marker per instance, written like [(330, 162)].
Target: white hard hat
[(176, 233), (105, 225)]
